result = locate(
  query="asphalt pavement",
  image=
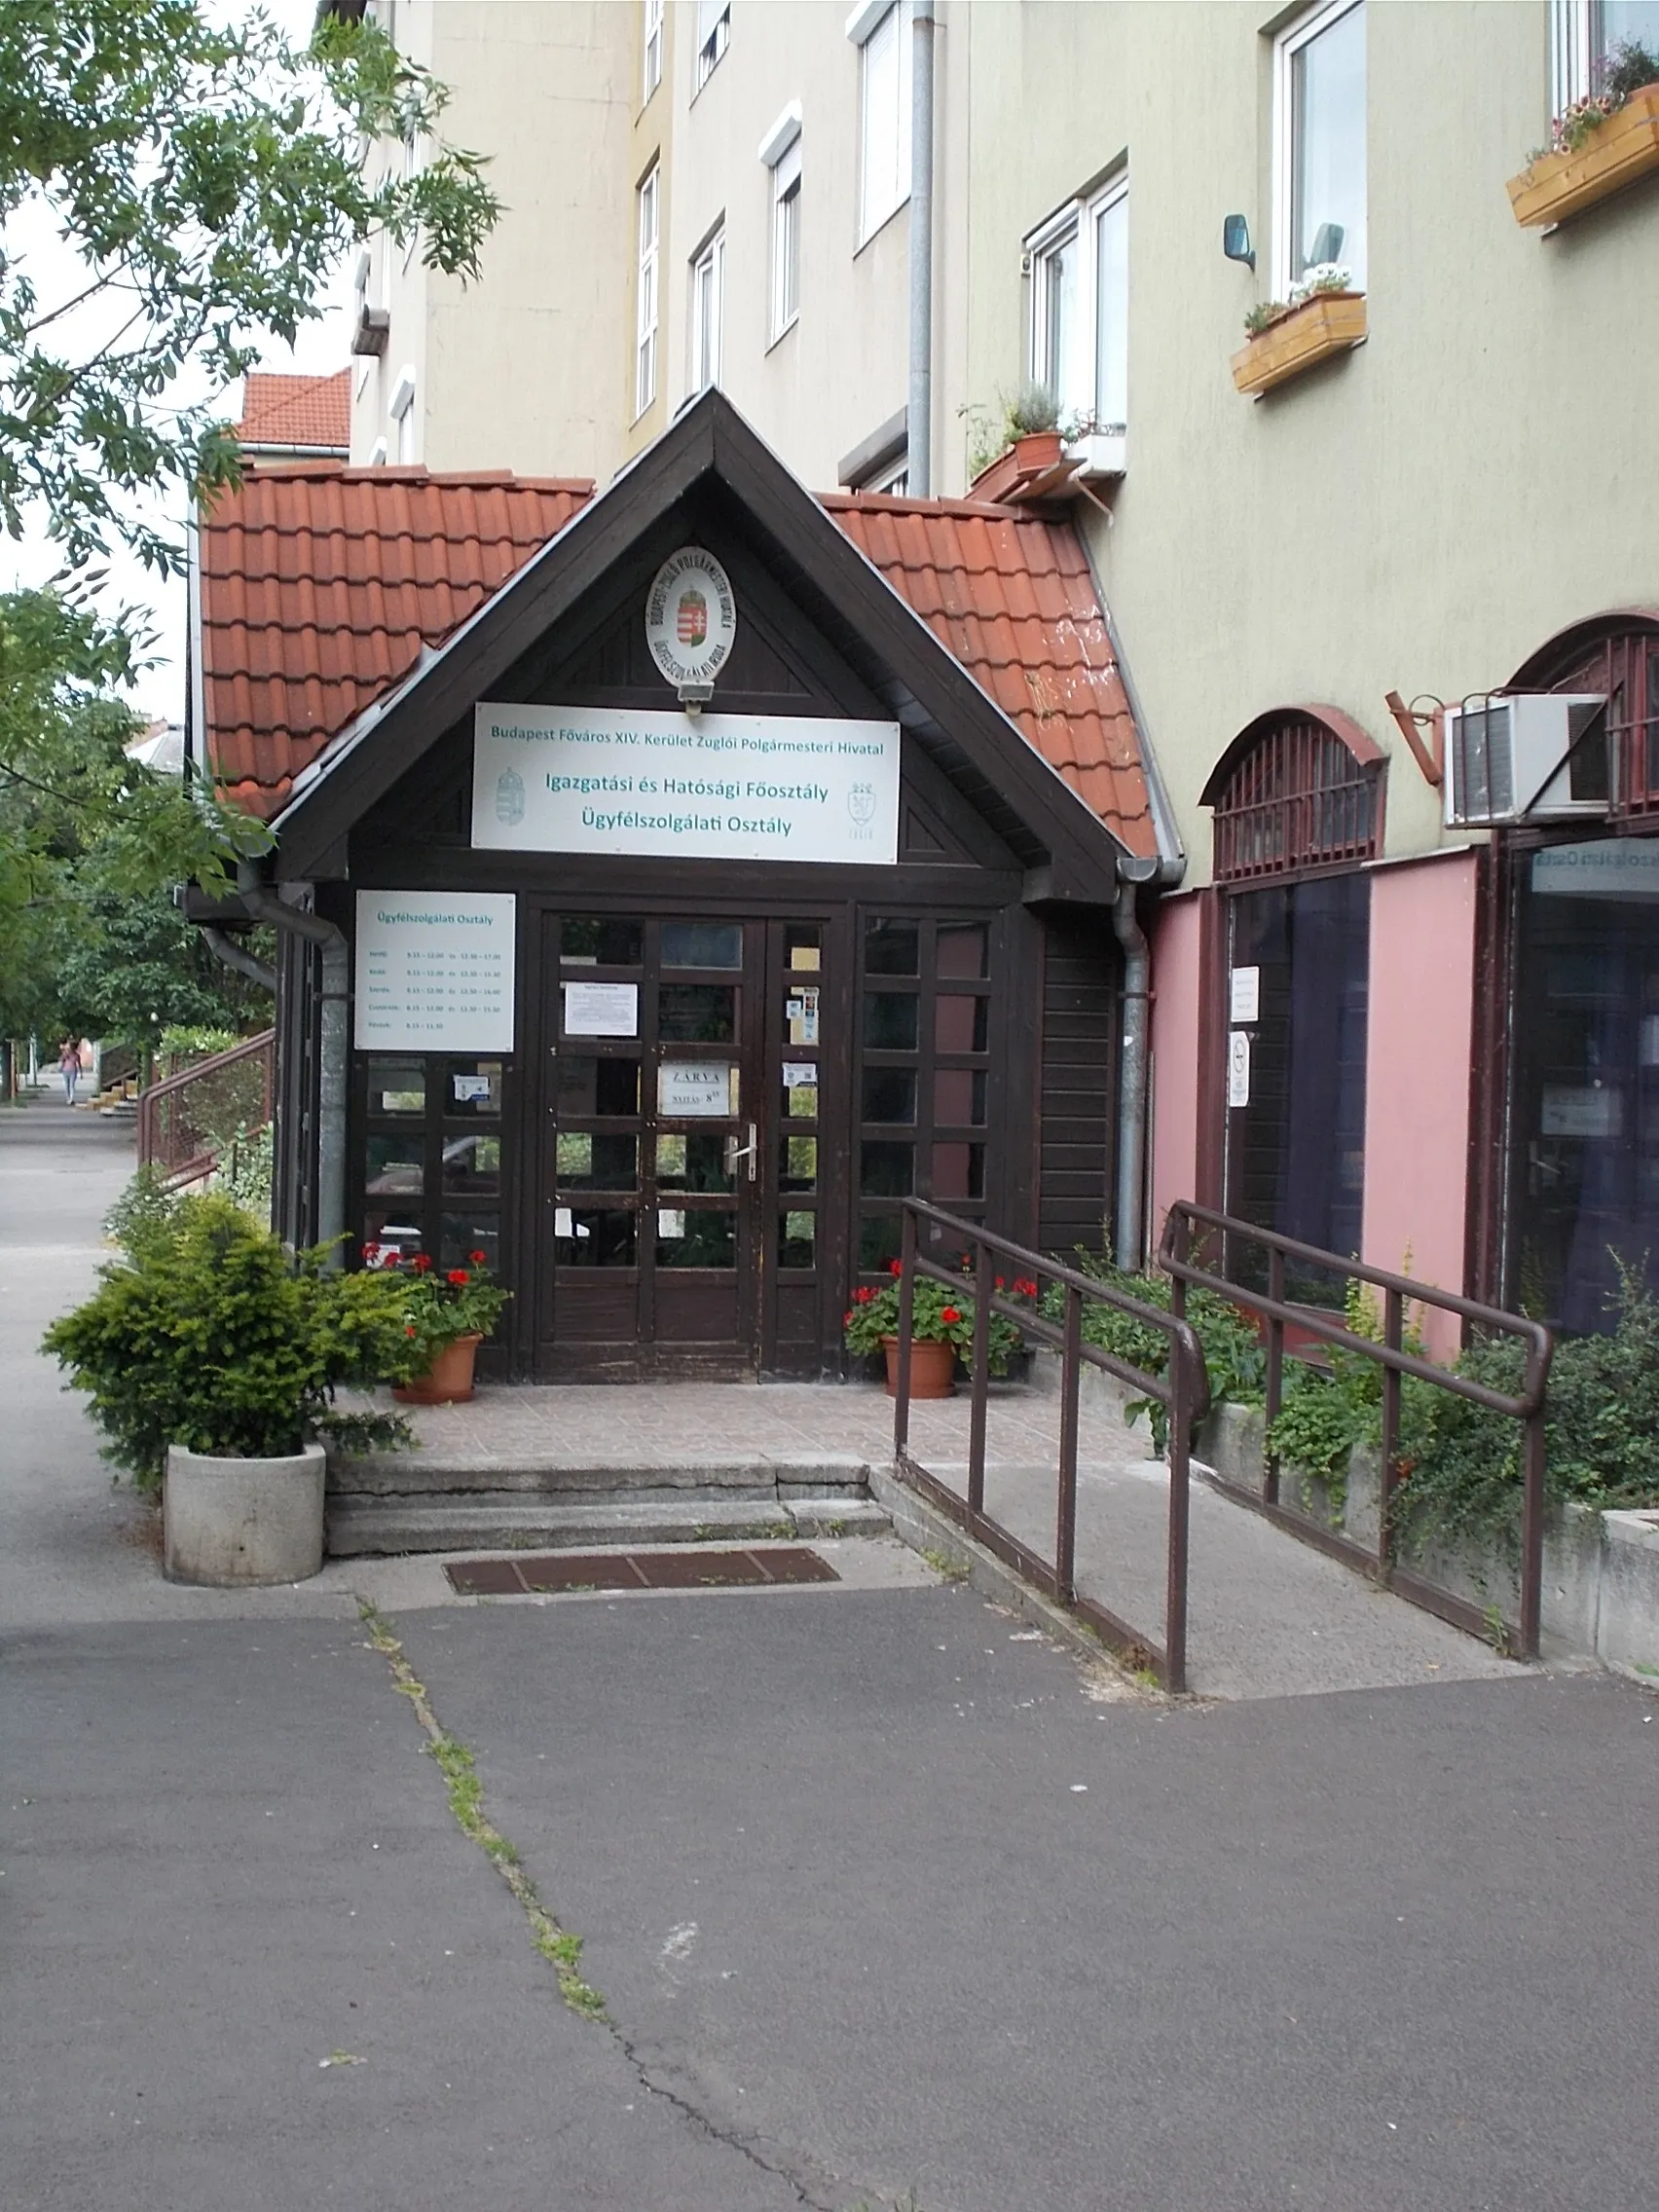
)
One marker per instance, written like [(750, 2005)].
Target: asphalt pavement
[(883, 1893)]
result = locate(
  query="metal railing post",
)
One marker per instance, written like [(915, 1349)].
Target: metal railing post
[(1276, 1378), (981, 1376), (1532, 1535), (1176, 1549), (907, 1312), (1393, 1318), (1065, 1515)]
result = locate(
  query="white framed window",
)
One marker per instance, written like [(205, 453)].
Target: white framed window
[(885, 37), (1078, 344), (652, 49), (1585, 34), (646, 299), (780, 151), (1319, 145), (708, 301), (714, 36), (401, 409), (895, 480)]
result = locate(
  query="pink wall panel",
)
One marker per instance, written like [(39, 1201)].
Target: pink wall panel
[(1175, 941), (1416, 1086)]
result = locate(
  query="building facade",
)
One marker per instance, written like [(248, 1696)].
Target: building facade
[(1386, 1017)]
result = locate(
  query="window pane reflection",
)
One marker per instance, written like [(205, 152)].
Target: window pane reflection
[(597, 941), (702, 944), (595, 1240), (890, 1021), (596, 1088)]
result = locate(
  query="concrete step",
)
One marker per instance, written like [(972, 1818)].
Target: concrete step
[(442, 1471), (503, 1521)]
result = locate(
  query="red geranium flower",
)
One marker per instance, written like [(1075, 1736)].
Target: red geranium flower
[(1001, 1285), (948, 1313), (847, 1318), (458, 1276), (371, 1252), (863, 1295), (420, 1263), (479, 1259), (409, 1330), (896, 1267)]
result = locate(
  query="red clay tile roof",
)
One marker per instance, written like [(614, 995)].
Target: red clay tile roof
[(297, 410), (1012, 596), (321, 585)]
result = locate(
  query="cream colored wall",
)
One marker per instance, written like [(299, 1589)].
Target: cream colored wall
[(519, 370), (651, 139), (841, 370), (1420, 515)]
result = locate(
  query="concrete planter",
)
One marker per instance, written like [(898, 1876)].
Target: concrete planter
[(234, 1523)]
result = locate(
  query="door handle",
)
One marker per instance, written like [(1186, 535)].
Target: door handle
[(749, 1151)]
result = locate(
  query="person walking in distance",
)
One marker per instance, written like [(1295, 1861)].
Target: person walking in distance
[(70, 1067)]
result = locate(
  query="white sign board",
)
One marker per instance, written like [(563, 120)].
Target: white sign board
[(1607, 867), (1246, 995), (1238, 1067), (602, 1010), (685, 786), (694, 1090), (435, 970)]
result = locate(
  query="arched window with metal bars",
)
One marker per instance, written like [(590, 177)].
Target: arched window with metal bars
[(1616, 654), (1300, 787)]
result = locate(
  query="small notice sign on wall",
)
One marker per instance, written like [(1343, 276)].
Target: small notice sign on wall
[(434, 970), (602, 1010), (1238, 1067)]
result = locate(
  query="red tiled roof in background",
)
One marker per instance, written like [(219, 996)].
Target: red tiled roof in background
[(308, 412), (1012, 596), (321, 585)]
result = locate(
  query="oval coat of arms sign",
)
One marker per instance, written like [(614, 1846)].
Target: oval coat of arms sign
[(690, 618)]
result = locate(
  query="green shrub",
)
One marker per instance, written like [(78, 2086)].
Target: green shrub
[(1462, 1465), (212, 1338), (1233, 1351), (246, 1169), (145, 1211)]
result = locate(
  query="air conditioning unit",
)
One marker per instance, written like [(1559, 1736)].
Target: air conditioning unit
[(1528, 756)]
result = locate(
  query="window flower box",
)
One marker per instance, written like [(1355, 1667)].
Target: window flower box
[(1323, 324), (1031, 461), (1616, 154)]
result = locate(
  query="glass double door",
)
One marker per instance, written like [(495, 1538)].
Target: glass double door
[(680, 1174)]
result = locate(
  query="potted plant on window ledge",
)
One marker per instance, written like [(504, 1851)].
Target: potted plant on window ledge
[(447, 1313), (1597, 145), (212, 1357), (1018, 450), (1323, 315)]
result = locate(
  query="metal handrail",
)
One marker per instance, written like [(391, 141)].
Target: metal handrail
[(1183, 1389), (171, 1085), (1399, 1291)]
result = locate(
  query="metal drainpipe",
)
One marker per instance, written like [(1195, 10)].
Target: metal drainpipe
[(919, 415), (239, 957), (1127, 1240), (333, 1046)]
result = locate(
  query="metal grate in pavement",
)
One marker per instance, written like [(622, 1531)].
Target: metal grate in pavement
[(678, 1569)]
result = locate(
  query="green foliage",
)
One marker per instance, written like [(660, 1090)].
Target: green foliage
[(209, 175), (246, 1169), (1330, 1409), (438, 1305), (940, 1314), (89, 838), (143, 1215), (131, 968), (1028, 411), (1233, 1351), (182, 1043), (1462, 1465), (208, 1336)]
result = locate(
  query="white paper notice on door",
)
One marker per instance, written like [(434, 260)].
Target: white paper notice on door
[(800, 1011), (697, 1090), (602, 1010), (563, 1224), (1246, 995), (1238, 1067)]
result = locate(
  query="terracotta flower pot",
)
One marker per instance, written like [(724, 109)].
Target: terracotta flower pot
[(932, 1368), (446, 1381)]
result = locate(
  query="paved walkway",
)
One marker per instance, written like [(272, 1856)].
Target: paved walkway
[(882, 1892), (1269, 1617)]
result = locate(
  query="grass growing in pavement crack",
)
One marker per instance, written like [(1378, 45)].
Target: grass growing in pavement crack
[(562, 1949)]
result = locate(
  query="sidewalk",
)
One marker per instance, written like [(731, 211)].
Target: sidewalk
[(1269, 1617)]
